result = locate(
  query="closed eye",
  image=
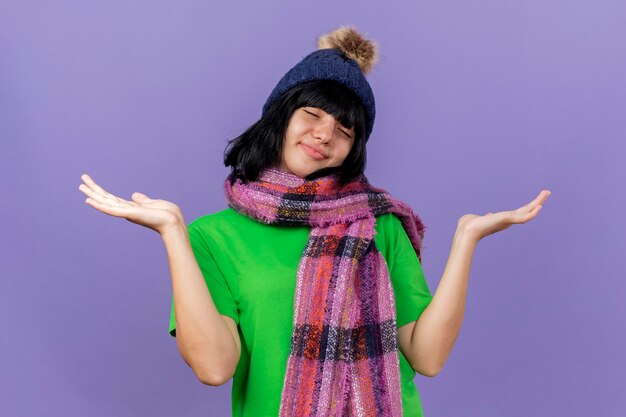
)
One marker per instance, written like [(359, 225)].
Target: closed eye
[(342, 131), (346, 133)]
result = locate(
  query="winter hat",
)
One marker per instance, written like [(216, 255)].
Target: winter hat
[(343, 55)]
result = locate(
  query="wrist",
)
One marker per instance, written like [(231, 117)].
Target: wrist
[(174, 231), (464, 235)]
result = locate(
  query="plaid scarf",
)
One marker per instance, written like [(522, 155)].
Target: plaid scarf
[(344, 351)]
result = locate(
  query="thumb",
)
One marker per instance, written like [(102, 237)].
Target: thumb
[(139, 197)]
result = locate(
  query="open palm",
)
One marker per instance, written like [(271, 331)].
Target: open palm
[(481, 226), (157, 215)]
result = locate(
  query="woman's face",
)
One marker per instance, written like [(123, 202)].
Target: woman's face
[(314, 140)]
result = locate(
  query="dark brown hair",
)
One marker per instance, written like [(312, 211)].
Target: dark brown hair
[(261, 144)]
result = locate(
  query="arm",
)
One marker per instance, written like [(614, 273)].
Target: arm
[(428, 341), (208, 341)]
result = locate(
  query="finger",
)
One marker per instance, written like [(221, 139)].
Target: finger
[(102, 192), (537, 201), (533, 203), (526, 217), (542, 197), (113, 210), (109, 200), (141, 197), (95, 186)]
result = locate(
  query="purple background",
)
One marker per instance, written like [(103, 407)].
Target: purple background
[(481, 105)]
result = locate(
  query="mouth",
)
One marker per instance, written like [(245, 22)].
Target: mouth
[(313, 152)]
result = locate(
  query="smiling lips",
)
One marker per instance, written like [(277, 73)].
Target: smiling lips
[(314, 152)]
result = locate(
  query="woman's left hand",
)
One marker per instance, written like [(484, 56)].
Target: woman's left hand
[(478, 227)]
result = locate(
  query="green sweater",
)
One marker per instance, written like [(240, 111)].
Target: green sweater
[(250, 271)]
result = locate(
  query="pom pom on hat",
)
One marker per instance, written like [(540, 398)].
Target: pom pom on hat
[(353, 45)]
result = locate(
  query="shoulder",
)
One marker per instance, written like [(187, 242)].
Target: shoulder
[(224, 226), (387, 223), (222, 217), (385, 234)]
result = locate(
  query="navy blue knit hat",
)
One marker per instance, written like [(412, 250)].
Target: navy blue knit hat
[(344, 56)]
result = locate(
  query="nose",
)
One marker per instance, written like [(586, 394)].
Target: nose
[(324, 130)]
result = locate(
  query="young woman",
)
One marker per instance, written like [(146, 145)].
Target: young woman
[(308, 289)]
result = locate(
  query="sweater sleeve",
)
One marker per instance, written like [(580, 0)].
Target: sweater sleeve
[(213, 277), (410, 287)]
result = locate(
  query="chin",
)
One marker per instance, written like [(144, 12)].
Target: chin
[(304, 172), (302, 169)]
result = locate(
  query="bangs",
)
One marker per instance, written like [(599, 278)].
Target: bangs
[(336, 99)]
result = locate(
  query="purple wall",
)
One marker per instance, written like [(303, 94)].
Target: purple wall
[(481, 105)]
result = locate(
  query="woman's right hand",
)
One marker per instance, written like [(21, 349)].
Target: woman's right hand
[(158, 215)]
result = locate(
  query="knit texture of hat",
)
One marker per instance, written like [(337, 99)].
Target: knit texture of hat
[(344, 56)]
